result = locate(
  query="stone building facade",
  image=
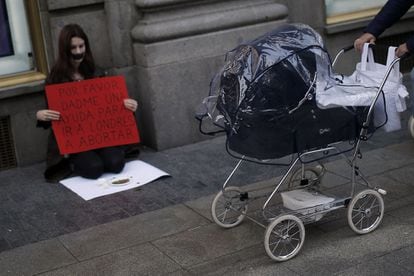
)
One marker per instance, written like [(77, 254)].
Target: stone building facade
[(168, 50)]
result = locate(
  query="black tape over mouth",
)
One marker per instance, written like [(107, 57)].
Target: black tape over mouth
[(77, 56)]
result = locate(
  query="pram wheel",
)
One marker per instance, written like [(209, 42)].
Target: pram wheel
[(311, 176), (229, 208), (411, 125), (365, 211), (284, 237)]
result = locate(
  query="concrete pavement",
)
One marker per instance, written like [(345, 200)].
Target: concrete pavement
[(165, 228), (182, 239)]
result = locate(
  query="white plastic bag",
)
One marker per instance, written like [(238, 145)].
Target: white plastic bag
[(360, 89), (370, 73)]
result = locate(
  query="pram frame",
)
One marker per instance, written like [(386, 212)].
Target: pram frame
[(297, 218)]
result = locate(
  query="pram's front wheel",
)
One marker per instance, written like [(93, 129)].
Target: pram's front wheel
[(284, 237), (365, 211), (229, 207)]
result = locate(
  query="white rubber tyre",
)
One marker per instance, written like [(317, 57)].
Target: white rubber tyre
[(365, 211), (284, 237), (228, 209), (411, 125)]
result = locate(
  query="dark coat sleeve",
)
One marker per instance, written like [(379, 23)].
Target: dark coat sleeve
[(43, 124), (392, 11)]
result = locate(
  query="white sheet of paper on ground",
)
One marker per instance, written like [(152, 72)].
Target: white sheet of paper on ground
[(135, 173)]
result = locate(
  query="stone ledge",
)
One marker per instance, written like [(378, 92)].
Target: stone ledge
[(22, 89), (63, 4), (189, 21), (198, 47), (146, 4)]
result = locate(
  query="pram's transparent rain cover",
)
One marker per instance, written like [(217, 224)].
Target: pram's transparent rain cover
[(265, 95)]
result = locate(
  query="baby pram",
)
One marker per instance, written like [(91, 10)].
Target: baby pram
[(264, 100)]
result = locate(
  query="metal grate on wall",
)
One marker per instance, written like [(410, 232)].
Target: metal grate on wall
[(380, 53), (7, 152)]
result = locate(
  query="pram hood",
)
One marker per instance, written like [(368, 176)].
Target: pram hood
[(265, 94), (270, 74)]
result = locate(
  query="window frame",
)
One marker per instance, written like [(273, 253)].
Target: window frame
[(346, 17), (39, 54)]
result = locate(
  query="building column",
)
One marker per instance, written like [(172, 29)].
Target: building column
[(178, 46)]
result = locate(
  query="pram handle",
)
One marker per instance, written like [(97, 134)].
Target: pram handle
[(373, 46), (343, 50), (348, 48)]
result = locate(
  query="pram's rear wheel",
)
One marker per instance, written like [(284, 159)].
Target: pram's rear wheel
[(229, 207), (365, 211), (284, 237), (309, 176)]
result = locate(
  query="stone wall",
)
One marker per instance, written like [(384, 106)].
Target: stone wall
[(168, 50), (178, 46)]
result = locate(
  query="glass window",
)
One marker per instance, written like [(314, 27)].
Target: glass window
[(6, 45), (22, 57), (18, 56), (344, 10)]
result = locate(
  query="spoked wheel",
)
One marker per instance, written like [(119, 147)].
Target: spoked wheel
[(284, 237), (311, 176), (229, 207), (411, 125), (365, 211)]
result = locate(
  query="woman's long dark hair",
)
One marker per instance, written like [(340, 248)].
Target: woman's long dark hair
[(63, 69)]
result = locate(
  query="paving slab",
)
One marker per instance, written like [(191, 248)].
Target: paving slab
[(403, 257), (399, 203), (205, 243), (124, 233), (388, 158), (403, 175), (378, 160), (337, 250), (35, 258), (345, 244), (405, 214), (396, 189), (143, 259), (202, 206), (248, 261), (375, 267)]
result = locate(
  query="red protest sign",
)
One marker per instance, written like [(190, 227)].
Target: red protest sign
[(93, 114)]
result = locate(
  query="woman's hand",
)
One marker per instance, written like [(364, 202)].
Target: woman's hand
[(365, 38), (130, 104), (401, 50), (48, 115)]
